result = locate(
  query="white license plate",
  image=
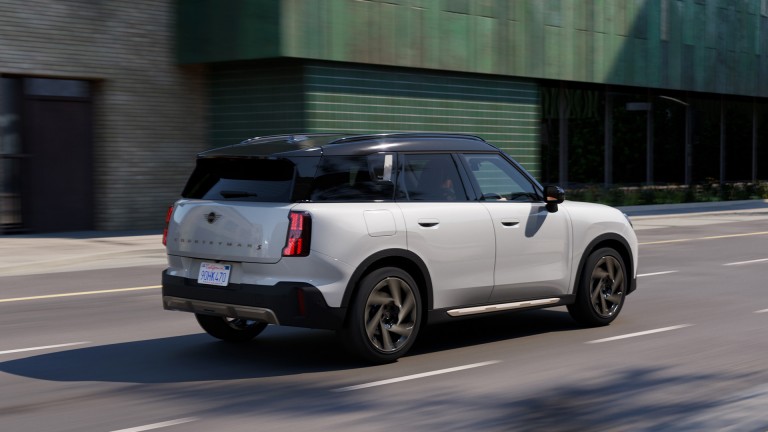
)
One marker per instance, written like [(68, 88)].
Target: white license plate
[(214, 274)]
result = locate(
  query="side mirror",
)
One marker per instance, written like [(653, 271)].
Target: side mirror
[(553, 195)]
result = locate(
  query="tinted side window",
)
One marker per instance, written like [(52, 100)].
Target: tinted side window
[(430, 177), (354, 178), (499, 180), (242, 179)]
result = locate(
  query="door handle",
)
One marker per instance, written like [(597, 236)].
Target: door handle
[(510, 222), (429, 223)]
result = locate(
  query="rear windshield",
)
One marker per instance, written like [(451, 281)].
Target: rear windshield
[(337, 178), (242, 179)]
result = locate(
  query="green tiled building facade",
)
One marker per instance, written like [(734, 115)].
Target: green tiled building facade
[(250, 99), (532, 76), (714, 46)]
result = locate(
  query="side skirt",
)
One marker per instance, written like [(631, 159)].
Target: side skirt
[(449, 314)]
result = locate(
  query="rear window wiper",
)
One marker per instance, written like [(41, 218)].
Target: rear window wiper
[(237, 194)]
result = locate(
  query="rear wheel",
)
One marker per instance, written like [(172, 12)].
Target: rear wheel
[(385, 316), (602, 289), (230, 329)]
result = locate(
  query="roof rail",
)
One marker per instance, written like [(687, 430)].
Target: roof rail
[(289, 137), (352, 138)]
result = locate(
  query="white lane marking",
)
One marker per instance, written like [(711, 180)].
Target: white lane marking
[(158, 425), (747, 262), (82, 293), (657, 273), (705, 238), (416, 376), (42, 347), (643, 333), (762, 311)]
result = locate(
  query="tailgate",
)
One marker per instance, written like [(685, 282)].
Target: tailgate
[(241, 232)]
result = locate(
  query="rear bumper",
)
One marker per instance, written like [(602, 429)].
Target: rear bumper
[(296, 304)]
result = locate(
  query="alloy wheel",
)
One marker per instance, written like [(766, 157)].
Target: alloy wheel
[(390, 314), (607, 286)]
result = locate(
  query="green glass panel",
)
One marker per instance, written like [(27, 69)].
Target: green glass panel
[(622, 42)]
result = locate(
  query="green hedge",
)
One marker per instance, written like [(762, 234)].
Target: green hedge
[(639, 195)]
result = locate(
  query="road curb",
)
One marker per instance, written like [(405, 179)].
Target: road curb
[(696, 208)]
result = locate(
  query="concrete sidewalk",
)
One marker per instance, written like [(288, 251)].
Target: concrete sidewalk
[(694, 214), (65, 252), (665, 210)]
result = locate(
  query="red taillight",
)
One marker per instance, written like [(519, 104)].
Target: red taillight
[(299, 234), (167, 222)]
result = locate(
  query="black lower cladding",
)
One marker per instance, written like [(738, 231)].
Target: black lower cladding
[(295, 304), (632, 285)]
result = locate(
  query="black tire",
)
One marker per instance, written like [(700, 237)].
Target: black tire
[(384, 317), (230, 329), (602, 289)]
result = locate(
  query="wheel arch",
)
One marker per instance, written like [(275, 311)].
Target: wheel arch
[(400, 258), (615, 242)]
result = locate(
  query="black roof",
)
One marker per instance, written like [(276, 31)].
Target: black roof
[(310, 144)]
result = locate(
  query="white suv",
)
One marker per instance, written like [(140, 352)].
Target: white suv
[(376, 235)]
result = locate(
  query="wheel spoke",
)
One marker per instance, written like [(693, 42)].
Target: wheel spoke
[(609, 261), (599, 273), (395, 290), (386, 340), (603, 306), (406, 309), (379, 298), (596, 291), (401, 329), (618, 283), (614, 298), (370, 326)]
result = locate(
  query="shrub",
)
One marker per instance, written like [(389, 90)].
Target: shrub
[(670, 194)]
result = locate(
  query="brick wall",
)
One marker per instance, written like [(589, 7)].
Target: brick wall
[(149, 113)]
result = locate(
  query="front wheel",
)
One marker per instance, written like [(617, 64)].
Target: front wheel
[(385, 316), (230, 329), (602, 289)]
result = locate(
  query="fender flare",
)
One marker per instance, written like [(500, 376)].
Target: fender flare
[(385, 255), (626, 255)]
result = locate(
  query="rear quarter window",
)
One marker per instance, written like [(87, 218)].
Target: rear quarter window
[(354, 178)]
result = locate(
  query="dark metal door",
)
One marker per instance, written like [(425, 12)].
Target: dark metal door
[(57, 174)]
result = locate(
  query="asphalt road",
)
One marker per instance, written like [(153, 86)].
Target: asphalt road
[(689, 352)]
